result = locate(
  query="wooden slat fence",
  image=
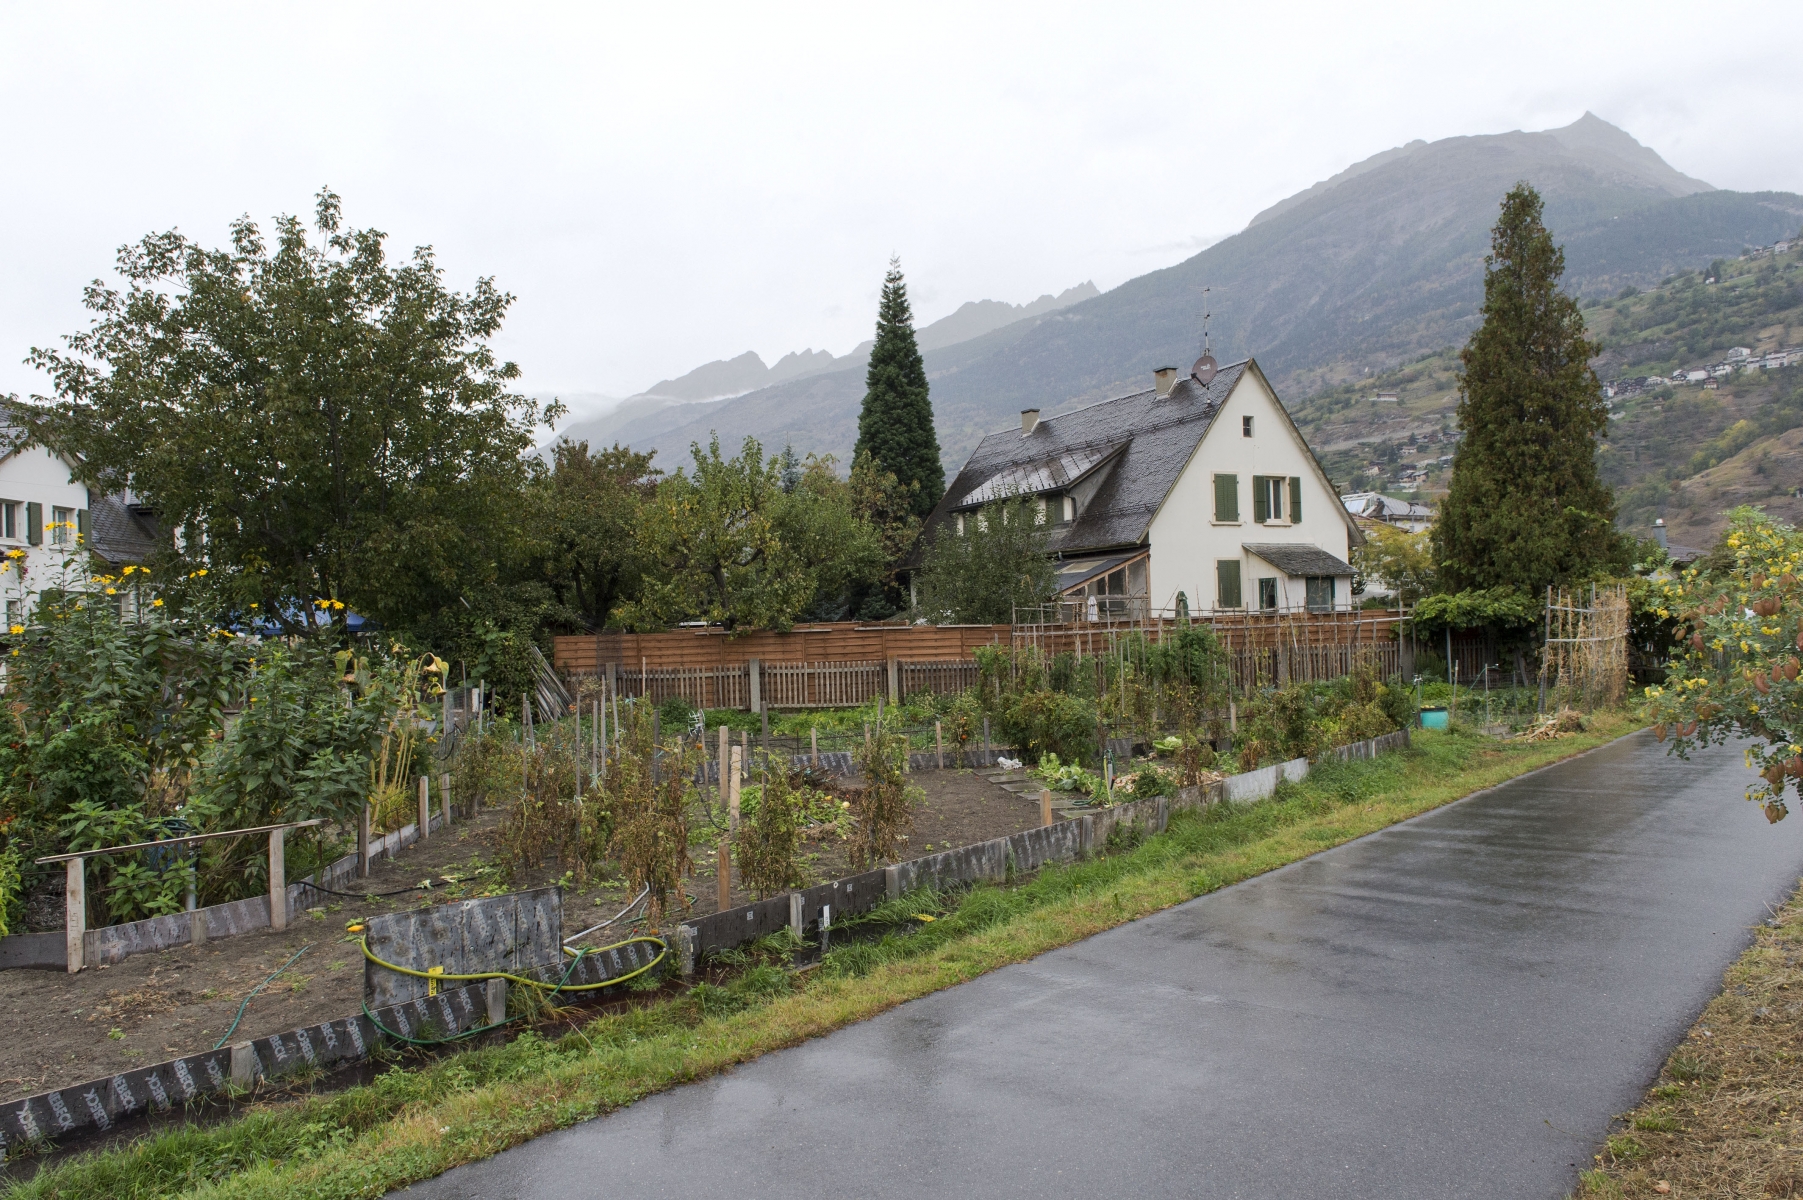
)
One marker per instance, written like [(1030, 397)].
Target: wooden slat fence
[(939, 678), (701, 687), (1278, 665), (823, 684)]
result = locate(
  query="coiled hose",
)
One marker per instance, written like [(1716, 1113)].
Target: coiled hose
[(562, 985)]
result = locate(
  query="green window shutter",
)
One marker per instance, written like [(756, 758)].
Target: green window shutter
[(34, 523), (81, 524), (1227, 583), (1261, 498), (1227, 497), (1295, 498)]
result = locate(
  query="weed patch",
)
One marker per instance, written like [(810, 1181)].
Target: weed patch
[(1726, 1115)]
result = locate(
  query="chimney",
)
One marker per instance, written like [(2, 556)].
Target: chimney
[(1029, 420), (1164, 379), (1659, 534)]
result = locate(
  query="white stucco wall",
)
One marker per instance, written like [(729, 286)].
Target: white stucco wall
[(1187, 541), (35, 474)]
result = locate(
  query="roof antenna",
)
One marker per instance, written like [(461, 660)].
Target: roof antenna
[(1203, 372)]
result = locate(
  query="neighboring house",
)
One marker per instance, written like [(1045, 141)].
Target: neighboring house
[(1186, 495), (1403, 514), (46, 518), (1683, 556)]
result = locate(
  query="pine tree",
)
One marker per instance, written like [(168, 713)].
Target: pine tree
[(1525, 507), (896, 423)]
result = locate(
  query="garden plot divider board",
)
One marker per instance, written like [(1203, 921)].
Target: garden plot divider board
[(519, 933), (99, 1104)]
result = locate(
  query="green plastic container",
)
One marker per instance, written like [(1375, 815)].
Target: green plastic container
[(1433, 718)]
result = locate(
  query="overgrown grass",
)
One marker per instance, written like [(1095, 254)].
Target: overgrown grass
[(1725, 1117), (415, 1122)]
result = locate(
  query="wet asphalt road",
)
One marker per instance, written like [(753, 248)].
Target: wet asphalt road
[(1453, 1007)]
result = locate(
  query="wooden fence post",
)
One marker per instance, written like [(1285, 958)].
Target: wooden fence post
[(278, 880), (75, 911), (444, 797), (425, 808), (755, 670), (895, 681), (1045, 806), (939, 742)]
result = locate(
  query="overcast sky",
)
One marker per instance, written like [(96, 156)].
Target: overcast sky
[(660, 185)]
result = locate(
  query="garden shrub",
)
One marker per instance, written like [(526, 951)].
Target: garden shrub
[(769, 836), (132, 728), (883, 812)]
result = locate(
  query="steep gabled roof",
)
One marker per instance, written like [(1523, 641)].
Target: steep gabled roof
[(1136, 446), (120, 531)]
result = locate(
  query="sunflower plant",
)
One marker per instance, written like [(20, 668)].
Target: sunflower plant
[(1738, 655)]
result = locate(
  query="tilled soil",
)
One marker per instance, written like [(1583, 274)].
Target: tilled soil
[(958, 808), (58, 1029)]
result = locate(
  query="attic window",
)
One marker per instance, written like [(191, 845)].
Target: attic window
[(1245, 426)]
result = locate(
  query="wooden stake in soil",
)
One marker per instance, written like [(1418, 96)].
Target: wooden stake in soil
[(444, 797), (939, 743), (725, 744), (75, 910), (814, 744), (425, 808), (724, 881), (363, 844), (278, 878), (1045, 806)]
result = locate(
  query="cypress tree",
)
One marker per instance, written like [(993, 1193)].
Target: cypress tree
[(1525, 507), (896, 422)]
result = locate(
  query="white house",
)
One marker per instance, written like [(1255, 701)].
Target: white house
[(47, 519), (1198, 493)]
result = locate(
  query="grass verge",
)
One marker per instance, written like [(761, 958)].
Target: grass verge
[(416, 1122), (1726, 1115)]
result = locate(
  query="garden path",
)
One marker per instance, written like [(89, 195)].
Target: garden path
[(1453, 1007)]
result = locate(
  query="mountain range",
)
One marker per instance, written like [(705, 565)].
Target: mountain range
[(670, 404), (1358, 273)]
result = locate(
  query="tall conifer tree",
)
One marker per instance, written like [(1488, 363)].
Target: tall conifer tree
[(1525, 507), (896, 422)]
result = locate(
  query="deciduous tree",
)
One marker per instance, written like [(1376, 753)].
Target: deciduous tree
[(314, 420)]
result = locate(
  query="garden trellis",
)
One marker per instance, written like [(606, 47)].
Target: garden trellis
[(1585, 664)]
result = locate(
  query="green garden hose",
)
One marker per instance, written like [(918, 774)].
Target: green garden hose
[(258, 988)]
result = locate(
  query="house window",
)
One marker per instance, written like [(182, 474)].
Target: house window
[(63, 527), (960, 524), (1227, 497), (1245, 426), (1267, 594), (9, 520), (1295, 499), (1267, 497), (1320, 593), (15, 610), (1227, 583)]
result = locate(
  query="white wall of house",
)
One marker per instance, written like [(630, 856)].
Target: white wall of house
[(1187, 541), (36, 476)]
